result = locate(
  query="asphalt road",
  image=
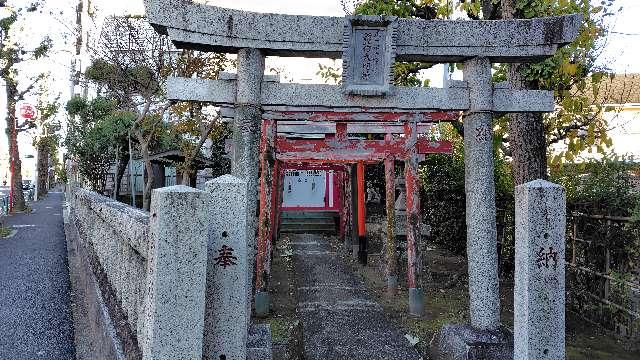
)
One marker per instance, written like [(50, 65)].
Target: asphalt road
[(35, 311)]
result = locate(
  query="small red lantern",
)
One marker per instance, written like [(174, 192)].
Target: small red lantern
[(27, 111)]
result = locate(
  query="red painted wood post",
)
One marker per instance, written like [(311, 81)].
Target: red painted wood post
[(275, 206), (416, 297), (390, 244), (339, 178), (263, 258), (362, 229), (345, 188), (345, 202), (276, 225), (348, 206)]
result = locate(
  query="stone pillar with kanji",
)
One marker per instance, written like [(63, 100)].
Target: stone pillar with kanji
[(539, 290), (226, 314)]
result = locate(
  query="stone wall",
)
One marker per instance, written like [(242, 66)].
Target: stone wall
[(114, 239), (149, 282)]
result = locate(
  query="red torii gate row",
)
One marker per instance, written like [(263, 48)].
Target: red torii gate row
[(402, 141)]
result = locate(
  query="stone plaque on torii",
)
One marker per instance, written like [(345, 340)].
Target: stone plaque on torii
[(369, 46)]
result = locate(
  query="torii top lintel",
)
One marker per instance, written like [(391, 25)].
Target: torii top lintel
[(210, 28)]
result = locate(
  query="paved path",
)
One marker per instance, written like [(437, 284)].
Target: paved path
[(341, 321), (35, 312)]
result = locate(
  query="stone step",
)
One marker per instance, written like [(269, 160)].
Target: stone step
[(309, 215), (307, 229), (309, 221)]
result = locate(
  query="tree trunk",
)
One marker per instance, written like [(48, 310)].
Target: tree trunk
[(14, 153), (148, 184), (43, 169), (527, 140), (186, 178), (186, 174), (122, 166)]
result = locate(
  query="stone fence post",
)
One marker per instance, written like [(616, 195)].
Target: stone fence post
[(176, 274), (228, 309), (539, 294)]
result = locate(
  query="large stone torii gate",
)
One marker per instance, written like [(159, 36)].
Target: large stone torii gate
[(369, 46)]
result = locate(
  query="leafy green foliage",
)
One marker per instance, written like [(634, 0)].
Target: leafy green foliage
[(600, 199), (443, 188), (193, 124), (330, 74), (598, 187), (6, 23), (444, 205), (135, 80), (422, 9), (95, 128), (604, 188), (191, 121), (572, 75), (43, 48)]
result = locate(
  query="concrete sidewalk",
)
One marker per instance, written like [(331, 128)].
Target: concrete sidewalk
[(341, 321), (35, 308)]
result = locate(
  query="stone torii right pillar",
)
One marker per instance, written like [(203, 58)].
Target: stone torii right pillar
[(482, 252)]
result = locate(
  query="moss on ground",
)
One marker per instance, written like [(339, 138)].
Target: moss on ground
[(280, 328), (283, 317), (5, 231)]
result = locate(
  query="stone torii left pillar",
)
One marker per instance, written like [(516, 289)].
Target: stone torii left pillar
[(246, 139)]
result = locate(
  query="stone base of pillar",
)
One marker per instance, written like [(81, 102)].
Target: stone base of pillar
[(262, 304), (259, 343), (362, 250), (416, 302), (348, 242), (463, 342)]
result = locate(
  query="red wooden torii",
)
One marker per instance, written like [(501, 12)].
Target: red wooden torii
[(402, 141)]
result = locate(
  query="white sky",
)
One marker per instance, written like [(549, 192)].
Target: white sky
[(622, 50)]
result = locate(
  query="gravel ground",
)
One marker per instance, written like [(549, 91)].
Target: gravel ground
[(35, 311)]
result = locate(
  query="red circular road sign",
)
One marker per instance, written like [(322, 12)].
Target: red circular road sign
[(27, 111)]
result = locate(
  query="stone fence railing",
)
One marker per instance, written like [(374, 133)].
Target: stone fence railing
[(115, 241), (168, 284)]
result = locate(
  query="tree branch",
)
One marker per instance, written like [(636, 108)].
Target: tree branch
[(30, 87)]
